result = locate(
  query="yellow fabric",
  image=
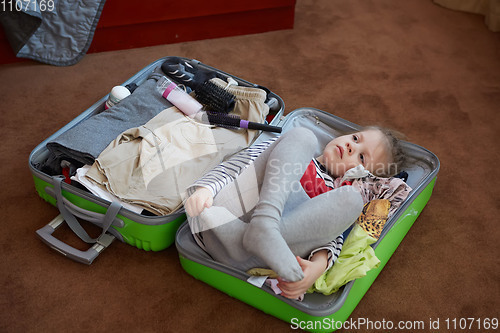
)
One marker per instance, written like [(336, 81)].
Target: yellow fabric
[(262, 272), (355, 260)]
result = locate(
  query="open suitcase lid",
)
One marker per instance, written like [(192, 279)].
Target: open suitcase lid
[(40, 153), (424, 166), (142, 234)]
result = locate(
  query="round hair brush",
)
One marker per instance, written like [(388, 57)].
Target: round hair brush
[(215, 98), (233, 121)]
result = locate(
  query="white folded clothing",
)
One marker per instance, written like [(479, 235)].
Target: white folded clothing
[(99, 192)]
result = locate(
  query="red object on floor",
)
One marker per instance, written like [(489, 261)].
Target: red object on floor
[(132, 24)]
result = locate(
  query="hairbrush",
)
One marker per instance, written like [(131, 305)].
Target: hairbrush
[(215, 98), (233, 121)]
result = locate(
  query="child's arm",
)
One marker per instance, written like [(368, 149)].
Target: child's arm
[(218, 177), (312, 269)]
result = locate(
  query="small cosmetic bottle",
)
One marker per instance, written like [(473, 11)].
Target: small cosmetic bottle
[(116, 95), (178, 97)]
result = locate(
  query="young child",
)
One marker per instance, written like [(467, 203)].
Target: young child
[(274, 203)]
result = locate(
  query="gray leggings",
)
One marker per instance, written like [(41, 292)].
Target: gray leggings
[(284, 221)]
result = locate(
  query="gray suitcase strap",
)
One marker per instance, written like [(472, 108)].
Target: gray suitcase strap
[(73, 223), (99, 244)]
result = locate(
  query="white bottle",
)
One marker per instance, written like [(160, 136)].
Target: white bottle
[(116, 95), (178, 97)]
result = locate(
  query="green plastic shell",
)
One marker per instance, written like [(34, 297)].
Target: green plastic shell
[(272, 305), (146, 237)]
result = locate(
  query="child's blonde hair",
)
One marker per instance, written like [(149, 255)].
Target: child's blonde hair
[(395, 150)]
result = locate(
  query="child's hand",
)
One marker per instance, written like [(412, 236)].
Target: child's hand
[(197, 202), (312, 271)]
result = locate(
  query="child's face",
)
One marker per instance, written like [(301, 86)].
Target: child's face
[(368, 148)]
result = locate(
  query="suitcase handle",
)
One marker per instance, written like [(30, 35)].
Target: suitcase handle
[(99, 243), (87, 215), (71, 220), (85, 257)]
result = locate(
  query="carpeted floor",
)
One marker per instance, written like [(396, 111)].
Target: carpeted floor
[(429, 72)]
